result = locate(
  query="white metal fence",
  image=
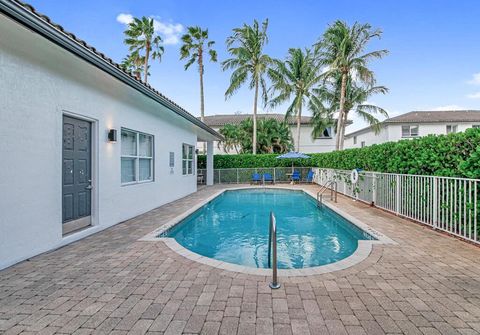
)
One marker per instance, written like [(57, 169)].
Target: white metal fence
[(448, 204)]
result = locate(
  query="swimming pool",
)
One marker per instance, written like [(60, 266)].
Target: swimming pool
[(233, 228)]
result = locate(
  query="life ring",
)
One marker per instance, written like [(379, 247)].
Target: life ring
[(354, 176)]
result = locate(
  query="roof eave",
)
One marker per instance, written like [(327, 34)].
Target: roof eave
[(29, 19)]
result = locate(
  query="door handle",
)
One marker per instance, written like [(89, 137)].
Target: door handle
[(89, 186)]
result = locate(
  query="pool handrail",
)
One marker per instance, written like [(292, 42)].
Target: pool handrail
[(332, 185), (272, 244)]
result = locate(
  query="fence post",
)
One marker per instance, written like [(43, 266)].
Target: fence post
[(397, 186), (274, 174), (219, 177), (374, 188), (435, 203), (238, 181)]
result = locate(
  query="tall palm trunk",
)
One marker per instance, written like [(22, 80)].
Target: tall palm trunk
[(202, 101), (344, 125), (299, 119), (341, 111), (147, 55), (254, 140)]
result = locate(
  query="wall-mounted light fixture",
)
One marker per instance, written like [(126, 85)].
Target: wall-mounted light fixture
[(112, 135)]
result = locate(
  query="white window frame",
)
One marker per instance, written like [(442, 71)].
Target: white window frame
[(410, 130), (137, 158), (453, 128), (322, 136), (186, 159)]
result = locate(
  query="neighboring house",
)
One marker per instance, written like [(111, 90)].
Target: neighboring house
[(324, 143), (83, 144), (414, 124)]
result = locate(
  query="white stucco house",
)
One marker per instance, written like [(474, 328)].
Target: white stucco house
[(83, 144), (414, 124), (324, 143)]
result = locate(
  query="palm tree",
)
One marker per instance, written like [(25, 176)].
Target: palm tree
[(295, 79), (248, 62), (326, 102), (133, 63), (342, 51), (232, 135), (195, 44), (141, 36)]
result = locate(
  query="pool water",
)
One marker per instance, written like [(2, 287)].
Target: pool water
[(234, 228)]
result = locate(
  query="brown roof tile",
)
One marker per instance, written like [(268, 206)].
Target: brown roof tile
[(220, 120)]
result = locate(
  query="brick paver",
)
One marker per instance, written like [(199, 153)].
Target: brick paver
[(112, 283)]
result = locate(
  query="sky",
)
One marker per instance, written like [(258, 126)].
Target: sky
[(433, 61)]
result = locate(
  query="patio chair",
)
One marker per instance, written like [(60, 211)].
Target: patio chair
[(296, 176), (256, 178), (310, 175), (267, 178)]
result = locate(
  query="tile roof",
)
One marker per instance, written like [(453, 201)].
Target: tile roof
[(5, 8), (429, 117), (438, 116), (220, 120)]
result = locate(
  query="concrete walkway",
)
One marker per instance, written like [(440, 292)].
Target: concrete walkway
[(112, 283)]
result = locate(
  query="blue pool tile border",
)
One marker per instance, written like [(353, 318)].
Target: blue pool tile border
[(361, 253)]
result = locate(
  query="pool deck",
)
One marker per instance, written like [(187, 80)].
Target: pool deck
[(112, 282)]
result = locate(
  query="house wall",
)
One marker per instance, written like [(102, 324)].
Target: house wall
[(307, 144), (39, 83), (369, 137), (393, 132)]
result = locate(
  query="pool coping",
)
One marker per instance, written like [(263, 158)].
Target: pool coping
[(361, 253)]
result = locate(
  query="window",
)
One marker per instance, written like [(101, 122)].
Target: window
[(354, 139), (476, 126), (362, 144), (410, 131), (187, 159), (137, 157), (327, 133), (451, 128)]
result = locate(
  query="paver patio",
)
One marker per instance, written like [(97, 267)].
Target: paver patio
[(112, 283)]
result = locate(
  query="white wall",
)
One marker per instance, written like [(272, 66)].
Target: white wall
[(393, 132), (369, 137), (307, 144), (39, 82)]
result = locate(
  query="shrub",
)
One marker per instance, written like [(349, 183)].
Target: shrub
[(453, 155)]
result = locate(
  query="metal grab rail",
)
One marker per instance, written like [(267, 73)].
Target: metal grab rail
[(332, 185), (272, 251)]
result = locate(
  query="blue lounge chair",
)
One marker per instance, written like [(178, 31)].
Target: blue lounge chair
[(267, 178), (310, 176), (296, 176), (256, 179)]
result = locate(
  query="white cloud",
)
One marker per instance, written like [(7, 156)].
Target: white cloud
[(475, 79), (474, 95), (124, 18), (447, 108), (169, 31)]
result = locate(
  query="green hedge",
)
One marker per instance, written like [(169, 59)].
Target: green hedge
[(453, 155)]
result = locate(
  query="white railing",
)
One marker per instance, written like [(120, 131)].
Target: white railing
[(444, 203)]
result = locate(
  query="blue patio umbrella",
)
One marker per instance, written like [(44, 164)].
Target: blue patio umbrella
[(293, 155)]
